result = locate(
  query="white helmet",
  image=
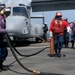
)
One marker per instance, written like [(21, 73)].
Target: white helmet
[(45, 23)]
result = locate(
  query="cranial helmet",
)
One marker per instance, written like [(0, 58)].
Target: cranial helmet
[(59, 14), (5, 11)]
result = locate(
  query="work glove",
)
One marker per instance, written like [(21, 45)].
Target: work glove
[(51, 34), (68, 32), (68, 29)]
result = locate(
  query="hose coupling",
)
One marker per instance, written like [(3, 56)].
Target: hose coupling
[(36, 72)]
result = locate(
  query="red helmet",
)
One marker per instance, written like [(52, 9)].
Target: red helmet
[(58, 14)]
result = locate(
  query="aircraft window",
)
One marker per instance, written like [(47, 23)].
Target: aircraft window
[(20, 11)]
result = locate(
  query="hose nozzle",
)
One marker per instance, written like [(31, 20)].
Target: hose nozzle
[(36, 72)]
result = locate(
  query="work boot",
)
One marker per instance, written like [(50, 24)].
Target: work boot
[(1, 66), (4, 68), (59, 54), (55, 53), (66, 45), (0, 70), (72, 44)]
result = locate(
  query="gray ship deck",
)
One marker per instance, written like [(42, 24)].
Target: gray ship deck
[(41, 62)]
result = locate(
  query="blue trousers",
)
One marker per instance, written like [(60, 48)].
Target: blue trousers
[(3, 54), (58, 42), (3, 49)]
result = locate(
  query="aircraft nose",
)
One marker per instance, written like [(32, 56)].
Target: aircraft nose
[(16, 25), (12, 22), (12, 25)]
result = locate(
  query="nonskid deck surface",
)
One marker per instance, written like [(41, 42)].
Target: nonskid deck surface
[(42, 62)]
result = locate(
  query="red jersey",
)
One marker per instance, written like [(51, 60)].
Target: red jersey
[(57, 27)]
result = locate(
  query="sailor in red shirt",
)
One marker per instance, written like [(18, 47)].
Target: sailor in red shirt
[(57, 32)]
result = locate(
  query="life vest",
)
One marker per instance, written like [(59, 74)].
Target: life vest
[(58, 27)]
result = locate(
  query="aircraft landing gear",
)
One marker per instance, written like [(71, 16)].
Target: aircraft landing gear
[(38, 40)]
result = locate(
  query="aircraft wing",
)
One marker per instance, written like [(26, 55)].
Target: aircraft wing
[(51, 5)]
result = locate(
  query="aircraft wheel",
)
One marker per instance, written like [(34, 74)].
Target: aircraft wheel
[(14, 41), (38, 40)]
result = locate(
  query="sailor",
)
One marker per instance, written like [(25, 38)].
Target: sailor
[(4, 13), (57, 32), (66, 36), (45, 29)]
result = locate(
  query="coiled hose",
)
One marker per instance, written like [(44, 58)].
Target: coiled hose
[(25, 55), (32, 71), (13, 52)]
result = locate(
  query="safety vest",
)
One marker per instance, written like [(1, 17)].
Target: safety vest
[(58, 27)]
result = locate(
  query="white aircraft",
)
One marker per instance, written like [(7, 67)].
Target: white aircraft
[(18, 24)]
